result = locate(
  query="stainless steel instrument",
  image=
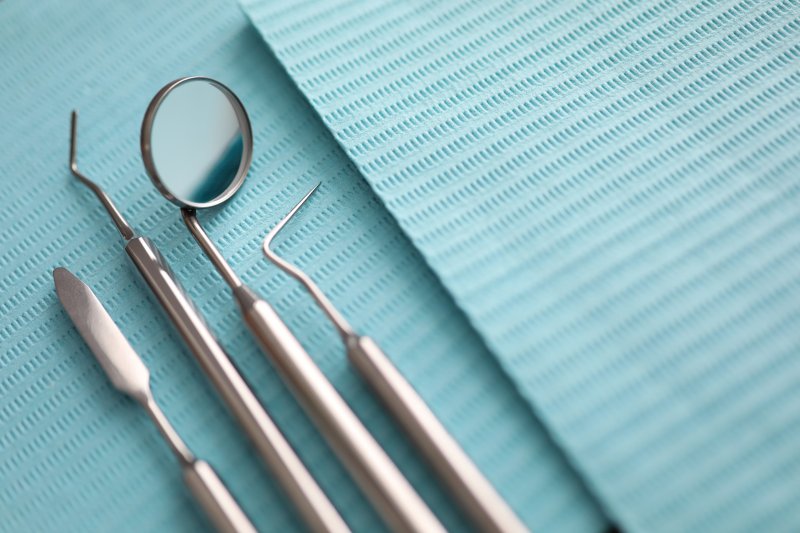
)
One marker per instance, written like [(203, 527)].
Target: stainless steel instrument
[(311, 502), (130, 376), (204, 165), (472, 490)]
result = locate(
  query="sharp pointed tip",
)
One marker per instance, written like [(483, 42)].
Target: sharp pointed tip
[(309, 193)]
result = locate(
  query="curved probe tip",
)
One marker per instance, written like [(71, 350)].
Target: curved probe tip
[(342, 326), (285, 220), (119, 221)]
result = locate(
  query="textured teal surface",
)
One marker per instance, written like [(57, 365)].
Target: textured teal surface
[(610, 190), (74, 454)]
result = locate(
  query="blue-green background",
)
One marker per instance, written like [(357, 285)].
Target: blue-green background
[(610, 190), (74, 454)]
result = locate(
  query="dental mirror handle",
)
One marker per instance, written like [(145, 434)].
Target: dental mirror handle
[(473, 491), (381, 481), (313, 505)]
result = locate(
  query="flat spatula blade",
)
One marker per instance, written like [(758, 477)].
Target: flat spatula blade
[(110, 347)]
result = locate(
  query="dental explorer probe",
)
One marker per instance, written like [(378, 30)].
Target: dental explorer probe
[(476, 496)]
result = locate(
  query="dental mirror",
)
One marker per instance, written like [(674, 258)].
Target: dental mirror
[(197, 146), (196, 142)]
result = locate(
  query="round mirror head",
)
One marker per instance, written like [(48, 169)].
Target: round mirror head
[(196, 142)]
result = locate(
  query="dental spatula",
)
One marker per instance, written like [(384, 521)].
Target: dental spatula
[(130, 376)]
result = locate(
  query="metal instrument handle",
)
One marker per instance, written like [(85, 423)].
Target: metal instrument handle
[(312, 503), (379, 478), (212, 494), (473, 491)]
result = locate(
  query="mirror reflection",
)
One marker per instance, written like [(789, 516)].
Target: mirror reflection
[(196, 142)]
